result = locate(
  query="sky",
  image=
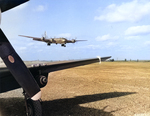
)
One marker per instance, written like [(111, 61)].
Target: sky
[(117, 28)]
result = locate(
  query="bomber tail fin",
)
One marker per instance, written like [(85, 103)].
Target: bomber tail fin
[(45, 36)]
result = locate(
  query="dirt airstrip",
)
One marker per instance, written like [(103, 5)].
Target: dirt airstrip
[(106, 89)]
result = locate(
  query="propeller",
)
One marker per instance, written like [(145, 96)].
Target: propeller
[(12, 60), (0, 15), (8, 4), (18, 68)]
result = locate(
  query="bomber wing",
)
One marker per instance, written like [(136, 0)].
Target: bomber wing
[(74, 40), (8, 82), (80, 40), (34, 38)]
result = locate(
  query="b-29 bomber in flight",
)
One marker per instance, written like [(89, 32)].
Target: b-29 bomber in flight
[(60, 40)]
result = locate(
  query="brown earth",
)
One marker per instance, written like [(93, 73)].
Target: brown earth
[(106, 89)]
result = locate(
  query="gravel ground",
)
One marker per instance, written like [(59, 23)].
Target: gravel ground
[(109, 89)]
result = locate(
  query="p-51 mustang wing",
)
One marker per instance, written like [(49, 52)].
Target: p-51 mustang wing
[(8, 82)]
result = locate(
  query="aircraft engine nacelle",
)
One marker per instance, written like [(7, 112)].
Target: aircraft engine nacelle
[(43, 38), (41, 80), (73, 41)]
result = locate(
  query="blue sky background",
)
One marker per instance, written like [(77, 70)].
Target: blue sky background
[(120, 29)]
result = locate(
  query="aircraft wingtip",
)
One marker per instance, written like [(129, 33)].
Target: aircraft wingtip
[(99, 59)]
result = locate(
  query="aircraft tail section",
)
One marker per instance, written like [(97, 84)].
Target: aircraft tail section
[(8, 4)]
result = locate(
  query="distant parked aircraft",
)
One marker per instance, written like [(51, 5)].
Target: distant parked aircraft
[(60, 40)]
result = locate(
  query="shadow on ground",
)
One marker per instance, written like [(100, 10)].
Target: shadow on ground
[(70, 106), (61, 107), (12, 107)]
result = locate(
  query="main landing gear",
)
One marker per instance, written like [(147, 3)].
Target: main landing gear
[(63, 45), (33, 108), (48, 44)]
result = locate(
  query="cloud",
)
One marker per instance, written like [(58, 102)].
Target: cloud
[(103, 38), (129, 11), (132, 37), (138, 30), (101, 46), (106, 37), (126, 48), (40, 8), (110, 44), (147, 43)]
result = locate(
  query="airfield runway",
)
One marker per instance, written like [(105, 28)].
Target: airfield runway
[(106, 89)]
